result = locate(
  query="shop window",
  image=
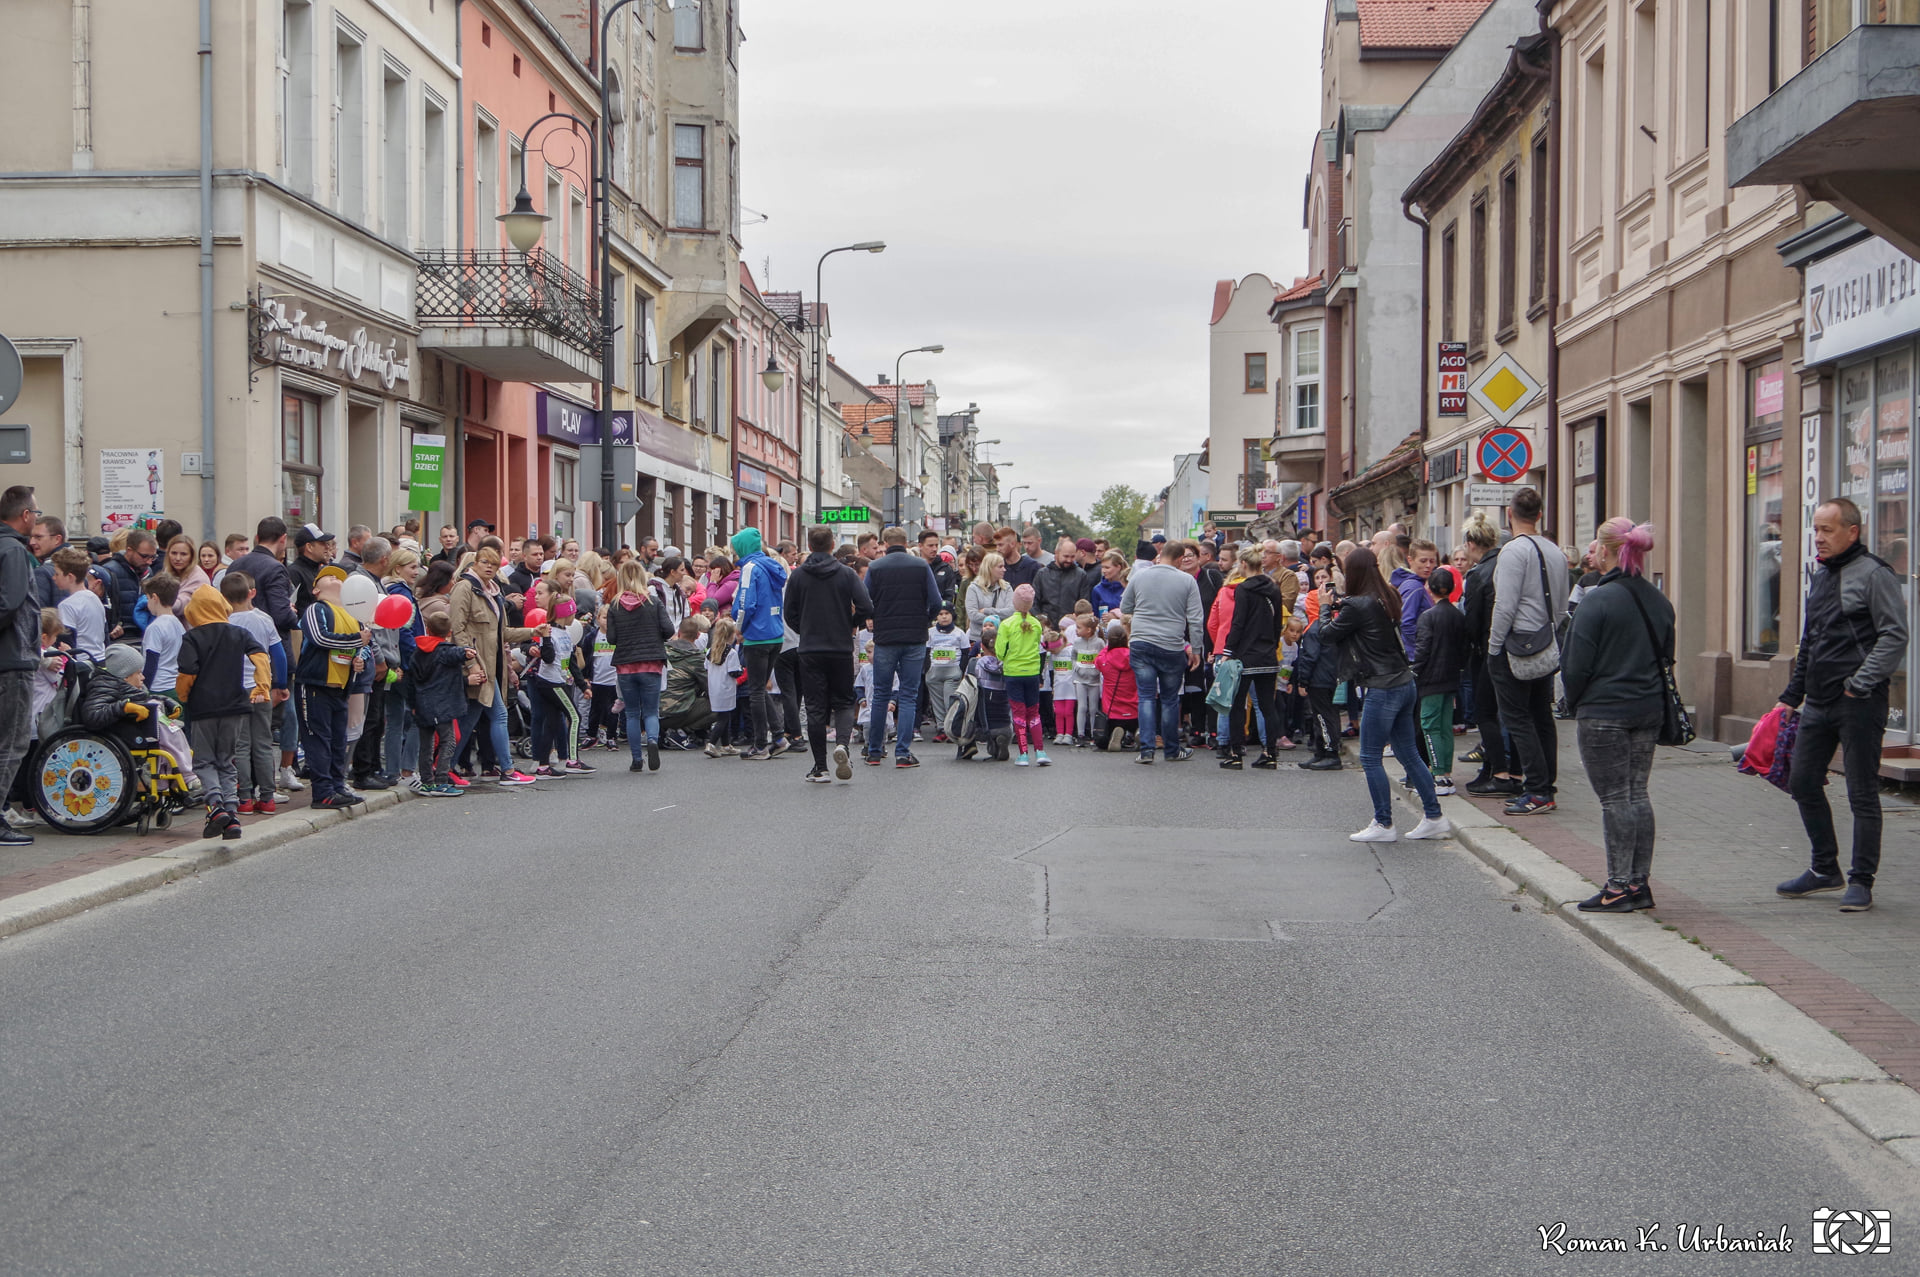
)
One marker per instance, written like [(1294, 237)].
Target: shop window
[(1892, 498), (300, 471), (566, 496), (1766, 496)]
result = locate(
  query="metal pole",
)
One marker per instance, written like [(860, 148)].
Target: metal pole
[(207, 465), (603, 154), (902, 416)]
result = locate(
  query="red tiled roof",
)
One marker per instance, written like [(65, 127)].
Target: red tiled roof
[(746, 282), (1222, 298), (858, 414), (1416, 24), (916, 393), (1300, 288)]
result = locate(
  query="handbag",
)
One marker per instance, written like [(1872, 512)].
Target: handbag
[(1226, 683), (1533, 654), (1676, 726)]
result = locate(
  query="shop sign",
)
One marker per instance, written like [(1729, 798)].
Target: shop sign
[(564, 421), (1809, 498), (1860, 297), (847, 514), (425, 466), (1450, 375), (132, 487), (332, 344), (752, 480), (656, 438), (1266, 498)]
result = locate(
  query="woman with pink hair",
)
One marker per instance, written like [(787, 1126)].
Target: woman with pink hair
[(1614, 669)]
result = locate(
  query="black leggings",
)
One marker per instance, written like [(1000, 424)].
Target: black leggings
[(559, 723), (600, 715), (1325, 721), (1258, 688)]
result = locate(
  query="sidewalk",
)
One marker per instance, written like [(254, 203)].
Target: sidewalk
[(1724, 841)]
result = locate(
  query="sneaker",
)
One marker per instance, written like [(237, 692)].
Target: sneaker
[(1494, 786), (637, 766), (906, 760), (1613, 898), (1432, 827), (543, 772), (374, 782), (713, 750), (515, 777), (653, 756), (11, 837), (1265, 763), (1477, 754), (245, 807), (753, 755), (819, 776), (871, 760), (265, 808), (1231, 764), (1114, 736), (288, 781), (577, 768), (1085, 742), (842, 767), (335, 802), (1529, 805), (1180, 757), (232, 831), (1642, 894), (439, 791), (216, 825), (780, 746), (417, 785), (1040, 758), (734, 751), (1375, 832), (1858, 898), (1020, 760), (1285, 742), (1145, 760), (1443, 786), (1810, 883), (1319, 765), (458, 781)]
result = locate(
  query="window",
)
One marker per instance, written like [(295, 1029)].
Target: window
[(1449, 280), (689, 175), (1537, 227), (1592, 116), (566, 496), (486, 182), (1696, 79), (349, 127), (695, 401), (1256, 373), (296, 95), (394, 202), (619, 330), (1477, 276), (688, 33), (718, 387), (433, 174), (1306, 381), (643, 349), (1509, 250), (733, 31), (1765, 499), (733, 184), (577, 233), (556, 209), (300, 471), (1641, 132)]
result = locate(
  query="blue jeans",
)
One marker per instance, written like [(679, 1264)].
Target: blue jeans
[(890, 660), (1390, 716), (640, 694), (1159, 674), (492, 719), (403, 738)]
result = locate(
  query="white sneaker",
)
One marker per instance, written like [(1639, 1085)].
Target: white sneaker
[(290, 782), (1375, 832), (1432, 827), (1443, 786)]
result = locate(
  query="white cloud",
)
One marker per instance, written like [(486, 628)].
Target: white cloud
[(1059, 183)]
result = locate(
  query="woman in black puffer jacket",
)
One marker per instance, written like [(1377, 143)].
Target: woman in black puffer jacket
[(638, 628), (1366, 625), (1253, 639)]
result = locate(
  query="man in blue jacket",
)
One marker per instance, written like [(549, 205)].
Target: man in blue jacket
[(757, 608), (906, 599)]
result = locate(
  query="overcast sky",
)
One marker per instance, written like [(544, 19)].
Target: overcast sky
[(1059, 183)]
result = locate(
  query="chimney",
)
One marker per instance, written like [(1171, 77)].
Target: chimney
[(884, 381)]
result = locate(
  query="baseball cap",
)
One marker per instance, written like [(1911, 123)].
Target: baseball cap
[(1159, 538), (478, 523), (1085, 545), (332, 572), (308, 533), (99, 545)]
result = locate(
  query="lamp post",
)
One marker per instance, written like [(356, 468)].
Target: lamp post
[(903, 417), (773, 377), (1018, 487), (819, 391)]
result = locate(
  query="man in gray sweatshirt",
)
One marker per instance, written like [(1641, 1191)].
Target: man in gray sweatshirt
[(1169, 633), (1521, 606)]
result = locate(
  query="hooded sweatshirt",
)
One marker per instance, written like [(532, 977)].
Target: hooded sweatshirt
[(213, 656), (638, 628), (1414, 600), (825, 602), (758, 600)]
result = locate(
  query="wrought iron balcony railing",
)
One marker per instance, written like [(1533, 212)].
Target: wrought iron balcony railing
[(509, 290)]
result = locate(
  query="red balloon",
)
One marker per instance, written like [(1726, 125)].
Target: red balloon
[(393, 613), (536, 617)]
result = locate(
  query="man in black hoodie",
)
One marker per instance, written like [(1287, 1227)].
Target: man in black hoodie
[(824, 604), (19, 642)]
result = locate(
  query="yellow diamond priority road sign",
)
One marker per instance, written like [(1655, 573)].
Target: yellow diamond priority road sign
[(1504, 389)]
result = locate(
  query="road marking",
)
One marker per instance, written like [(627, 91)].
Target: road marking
[(668, 807)]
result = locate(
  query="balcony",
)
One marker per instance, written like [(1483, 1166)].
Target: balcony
[(1298, 458), (1843, 131), (512, 316)]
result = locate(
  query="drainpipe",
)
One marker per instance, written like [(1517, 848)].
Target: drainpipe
[(207, 466), (1549, 446), (1426, 357), (453, 501)]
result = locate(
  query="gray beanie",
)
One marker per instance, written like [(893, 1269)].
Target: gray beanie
[(122, 660)]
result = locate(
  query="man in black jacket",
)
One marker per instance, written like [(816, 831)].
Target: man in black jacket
[(312, 550), (19, 642), (943, 574), (1854, 639), (1061, 584), (824, 604), (1476, 606), (125, 571), (905, 598), (274, 594)]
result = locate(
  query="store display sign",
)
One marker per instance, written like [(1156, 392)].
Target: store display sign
[(1860, 297), (752, 480), (1450, 375), (300, 334), (564, 421), (847, 514), (425, 467), (132, 487)]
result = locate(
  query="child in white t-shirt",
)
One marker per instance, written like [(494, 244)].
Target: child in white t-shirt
[(723, 686), (947, 646), (1059, 660), (80, 608), (162, 638), (1086, 647)]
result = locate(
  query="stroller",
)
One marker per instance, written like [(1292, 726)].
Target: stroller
[(976, 718)]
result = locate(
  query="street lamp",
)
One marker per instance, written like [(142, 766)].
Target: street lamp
[(1019, 515), (903, 418), (819, 392), (773, 376)]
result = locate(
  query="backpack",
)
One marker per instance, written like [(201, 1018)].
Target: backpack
[(958, 724)]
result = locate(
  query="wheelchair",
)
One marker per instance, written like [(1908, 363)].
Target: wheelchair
[(82, 781)]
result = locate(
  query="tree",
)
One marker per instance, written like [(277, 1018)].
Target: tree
[(1118, 514), (1056, 521)]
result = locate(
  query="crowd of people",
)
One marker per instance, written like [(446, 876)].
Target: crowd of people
[(297, 657)]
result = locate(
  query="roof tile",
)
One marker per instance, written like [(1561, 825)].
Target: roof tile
[(1416, 24)]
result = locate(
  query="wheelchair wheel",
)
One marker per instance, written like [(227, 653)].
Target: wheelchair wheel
[(82, 782)]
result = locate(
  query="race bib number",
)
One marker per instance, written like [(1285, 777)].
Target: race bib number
[(945, 655)]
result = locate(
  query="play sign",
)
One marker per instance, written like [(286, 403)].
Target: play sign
[(1503, 454)]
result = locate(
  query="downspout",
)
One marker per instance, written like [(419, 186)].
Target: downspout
[(456, 440), (1549, 446), (1426, 358), (207, 466)]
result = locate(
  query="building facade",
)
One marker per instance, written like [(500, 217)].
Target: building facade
[(1244, 355), (767, 422)]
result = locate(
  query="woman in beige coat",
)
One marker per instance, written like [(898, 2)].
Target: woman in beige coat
[(477, 611)]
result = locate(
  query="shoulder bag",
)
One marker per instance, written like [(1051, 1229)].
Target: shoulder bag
[(1676, 726), (1534, 654)]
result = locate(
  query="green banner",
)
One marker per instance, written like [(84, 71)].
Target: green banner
[(847, 514), (423, 485)]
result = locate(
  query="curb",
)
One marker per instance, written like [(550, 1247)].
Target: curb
[(1732, 1002), (116, 882)]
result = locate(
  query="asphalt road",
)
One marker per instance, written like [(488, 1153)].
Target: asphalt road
[(1099, 1019)]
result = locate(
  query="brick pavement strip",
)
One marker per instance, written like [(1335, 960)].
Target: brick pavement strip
[(127, 874), (1799, 987)]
